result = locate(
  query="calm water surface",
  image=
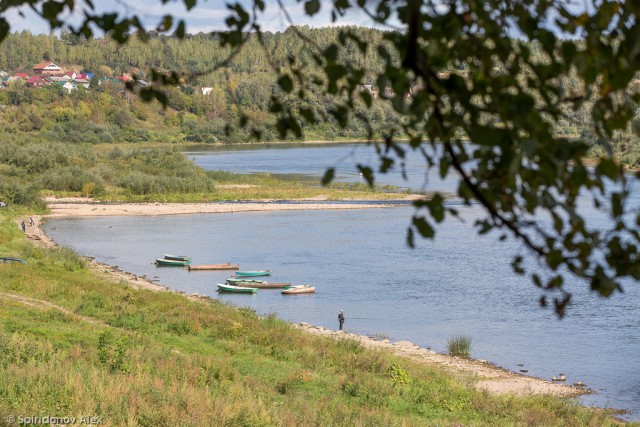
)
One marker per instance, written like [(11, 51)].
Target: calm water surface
[(458, 284)]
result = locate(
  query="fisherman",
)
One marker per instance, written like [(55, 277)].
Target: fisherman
[(341, 318)]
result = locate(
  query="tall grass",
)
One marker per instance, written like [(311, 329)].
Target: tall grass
[(459, 346)]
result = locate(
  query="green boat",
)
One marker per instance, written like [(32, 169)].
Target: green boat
[(171, 263), (253, 273), (236, 289), (242, 281)]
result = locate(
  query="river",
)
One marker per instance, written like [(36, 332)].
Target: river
[(457, 284)]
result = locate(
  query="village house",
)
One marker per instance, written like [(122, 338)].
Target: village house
[(72, 74), (37, 81), (22, 76), (59, 77), (82, 82), (46, 67)]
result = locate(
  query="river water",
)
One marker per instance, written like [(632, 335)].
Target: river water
[(457, 284)]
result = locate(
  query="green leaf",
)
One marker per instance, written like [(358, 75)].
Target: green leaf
[(180, 30), (328, 176), (4, 29), (367, 173), (311, 7), (608, 168), (285, 83), (423, 227), (410, 238)]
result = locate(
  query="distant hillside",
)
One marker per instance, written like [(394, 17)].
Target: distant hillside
[(202, 108)]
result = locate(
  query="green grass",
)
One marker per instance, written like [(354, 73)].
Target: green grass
[(459, 346), (83, 344)]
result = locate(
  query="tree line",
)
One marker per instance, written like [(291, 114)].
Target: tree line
[(241, 87)]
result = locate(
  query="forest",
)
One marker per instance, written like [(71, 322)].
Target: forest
[(241, 88)]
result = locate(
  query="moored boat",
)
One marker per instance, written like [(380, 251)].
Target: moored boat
[(177, 257), (242, 281), (171, 263), (226, 266), (300, 289), (253, 273), (266, 285), (236, 289)]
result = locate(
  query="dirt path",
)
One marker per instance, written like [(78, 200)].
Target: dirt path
[(485, 375), (46, 305)]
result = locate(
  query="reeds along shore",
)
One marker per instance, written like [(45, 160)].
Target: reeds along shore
[(81, 341)]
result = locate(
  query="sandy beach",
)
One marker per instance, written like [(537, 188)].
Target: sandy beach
[(482, 374)]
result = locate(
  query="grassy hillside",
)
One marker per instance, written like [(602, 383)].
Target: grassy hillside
[(74, 342)]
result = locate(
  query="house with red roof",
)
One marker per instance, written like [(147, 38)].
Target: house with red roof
[(23, 76), (37, 81), (46, 67)]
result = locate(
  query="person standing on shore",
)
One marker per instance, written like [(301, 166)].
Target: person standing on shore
[(24, 226), (341, 318), (31, 223)]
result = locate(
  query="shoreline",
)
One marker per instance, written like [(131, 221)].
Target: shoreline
[(484, 375)]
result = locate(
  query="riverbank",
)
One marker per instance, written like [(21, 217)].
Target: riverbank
[(484, 375)]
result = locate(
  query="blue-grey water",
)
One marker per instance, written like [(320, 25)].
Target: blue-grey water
[(458, 284)]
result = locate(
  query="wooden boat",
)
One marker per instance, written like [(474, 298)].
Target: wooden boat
[(177, 257), (226, 266), (163, 262), (253, 273), (300, 289), (242, 281), (266, 285), (236, 289)]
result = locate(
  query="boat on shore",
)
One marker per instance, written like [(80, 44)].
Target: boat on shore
[(253, 273), (11, 259), (299, 289), (236, 289), (177, 257), (163, 262), (225, 266)]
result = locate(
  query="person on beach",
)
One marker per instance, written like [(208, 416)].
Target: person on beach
[(341, 318), (31, 223), (24, 226)]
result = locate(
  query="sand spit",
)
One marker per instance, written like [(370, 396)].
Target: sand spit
[(60, 210)]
